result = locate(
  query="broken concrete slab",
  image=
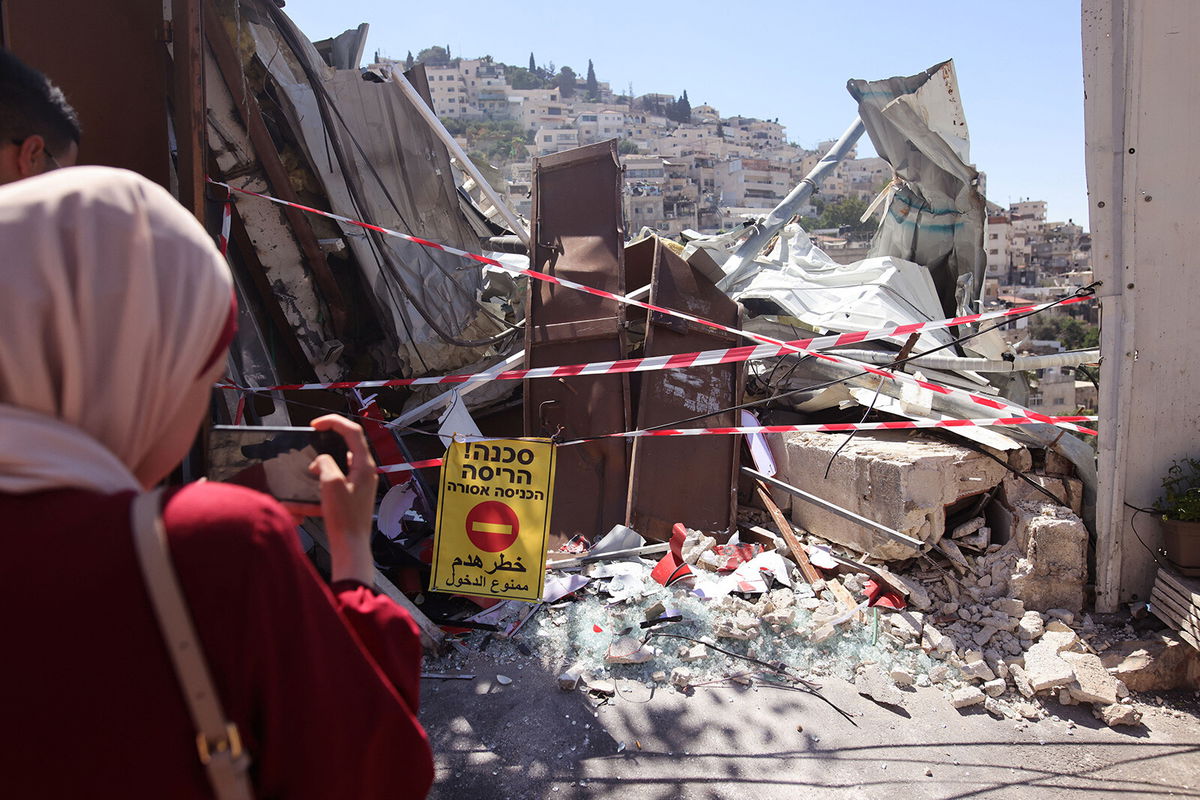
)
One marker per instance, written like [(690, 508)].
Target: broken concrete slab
[(966, 697), (871, 681), (977, 670), (1021, 680), (1118, 714), (1158, 664), (968, 528), (898, 480), (568, 679), (1052, 569), (1092, 682), (1044, 669)]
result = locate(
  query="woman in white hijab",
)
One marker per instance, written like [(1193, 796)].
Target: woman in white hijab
[(115, 313)]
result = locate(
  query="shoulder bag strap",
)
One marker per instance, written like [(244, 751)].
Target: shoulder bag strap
[(217, 740)]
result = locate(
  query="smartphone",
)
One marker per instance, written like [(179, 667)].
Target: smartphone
[(273, 460)]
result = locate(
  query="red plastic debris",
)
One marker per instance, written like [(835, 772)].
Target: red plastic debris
[(878, 595), (672, 568)]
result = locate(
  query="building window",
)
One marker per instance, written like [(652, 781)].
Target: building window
[(1059, 401)]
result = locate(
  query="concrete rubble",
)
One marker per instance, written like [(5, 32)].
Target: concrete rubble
[(991, 634)]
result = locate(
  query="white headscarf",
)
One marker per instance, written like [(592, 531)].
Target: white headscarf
[(112, 299)]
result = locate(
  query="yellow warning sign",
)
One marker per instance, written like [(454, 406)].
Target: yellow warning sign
[(493, 517)]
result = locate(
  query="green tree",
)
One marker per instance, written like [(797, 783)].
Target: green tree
[(408, 62), (566, 82), (532, 64), (627, 148), (1070, 332), (435, 56), (684, 108), (845, 213), (593, 86), (521, 78)]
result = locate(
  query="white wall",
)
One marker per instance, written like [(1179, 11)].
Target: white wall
[(1142, 112)]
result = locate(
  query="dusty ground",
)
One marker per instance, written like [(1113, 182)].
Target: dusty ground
[(531, 740)]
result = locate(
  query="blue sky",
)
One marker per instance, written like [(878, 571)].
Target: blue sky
[(1018, 63)]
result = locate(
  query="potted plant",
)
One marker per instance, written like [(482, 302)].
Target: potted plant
[(1180, 510)]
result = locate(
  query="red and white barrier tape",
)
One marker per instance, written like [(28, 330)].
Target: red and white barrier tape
[(835, 427), (411, 465), (783, 347), (847, 427), (703, 358), (805, 345)]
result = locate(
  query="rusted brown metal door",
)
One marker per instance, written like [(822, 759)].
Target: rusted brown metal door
[(110, 60), (689, 479), (577, 234)]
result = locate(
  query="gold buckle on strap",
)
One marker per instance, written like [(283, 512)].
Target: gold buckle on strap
[(231, 743)]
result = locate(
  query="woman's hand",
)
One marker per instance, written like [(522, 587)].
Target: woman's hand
[(348, 501)]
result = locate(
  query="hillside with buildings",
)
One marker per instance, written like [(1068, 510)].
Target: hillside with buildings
[(690, 167), (686, 166)]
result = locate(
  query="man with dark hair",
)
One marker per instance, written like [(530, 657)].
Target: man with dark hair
[(39, 131)]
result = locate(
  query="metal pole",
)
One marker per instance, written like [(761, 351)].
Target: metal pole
[(464, 161), (836, 509), (773, 223)]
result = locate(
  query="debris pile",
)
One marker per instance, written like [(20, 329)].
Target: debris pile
[(948, 624)]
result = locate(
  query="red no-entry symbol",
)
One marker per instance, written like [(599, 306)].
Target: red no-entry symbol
[(492, 526)]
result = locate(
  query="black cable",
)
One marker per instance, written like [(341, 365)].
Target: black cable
[(779, 669), (1133, 527), (846, 441)]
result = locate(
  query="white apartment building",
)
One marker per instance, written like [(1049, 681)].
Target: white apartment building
[(554, 140), (996, 244), (752, 182), (599, 124), (1027, 214)]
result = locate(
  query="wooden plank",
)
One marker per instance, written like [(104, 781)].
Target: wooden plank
[(1187, 614), (1183, 602), (1187, 587), (1166, 610), (188, 106), (799, 555)]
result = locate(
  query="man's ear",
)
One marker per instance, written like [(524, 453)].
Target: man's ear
[(31, 156)]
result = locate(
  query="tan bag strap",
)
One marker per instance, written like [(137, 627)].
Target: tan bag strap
[(217, 739)]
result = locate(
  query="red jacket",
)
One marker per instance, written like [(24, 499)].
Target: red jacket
[(322, 684)]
